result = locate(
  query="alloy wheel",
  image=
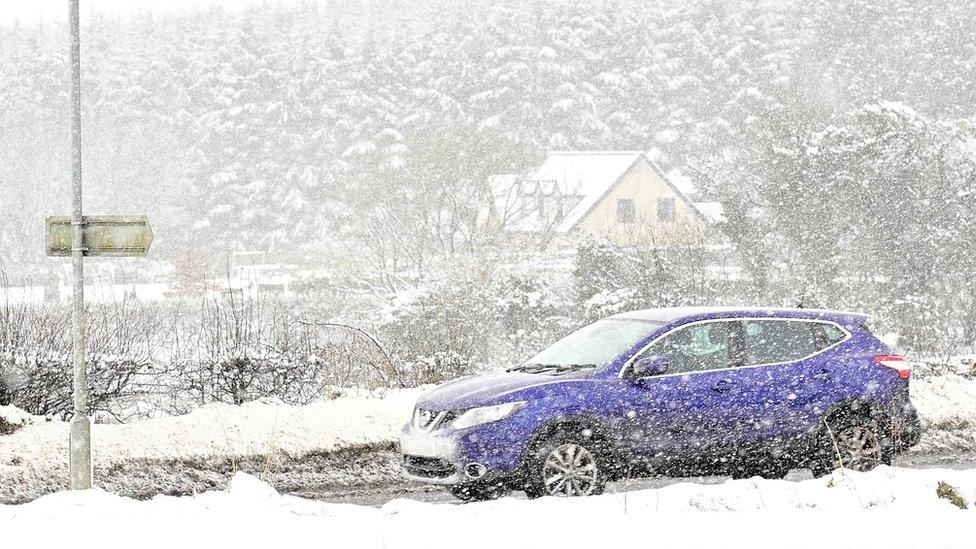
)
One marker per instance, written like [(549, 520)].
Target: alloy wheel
[(858, 448), (569, 470)]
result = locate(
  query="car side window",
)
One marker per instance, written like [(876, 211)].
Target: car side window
[(777, 341), (696, 348)]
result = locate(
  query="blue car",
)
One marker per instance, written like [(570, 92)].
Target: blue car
[(735, 391)]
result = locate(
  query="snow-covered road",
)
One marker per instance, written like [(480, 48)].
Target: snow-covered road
[(382, 493)]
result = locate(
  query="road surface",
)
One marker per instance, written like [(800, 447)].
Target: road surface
[(378, 494)]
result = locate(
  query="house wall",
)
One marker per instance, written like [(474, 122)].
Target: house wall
[(642, 184)]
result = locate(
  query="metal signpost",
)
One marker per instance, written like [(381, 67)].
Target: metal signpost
[(79, 236)]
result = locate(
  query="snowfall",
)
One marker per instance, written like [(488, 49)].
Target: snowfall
[(890, 506)]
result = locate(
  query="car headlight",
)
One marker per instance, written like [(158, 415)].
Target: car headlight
[(486, 414)]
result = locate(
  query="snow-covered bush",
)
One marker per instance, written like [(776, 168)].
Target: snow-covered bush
[(609, 278), (13, 418), (434, 368), (143, 357), (530, 313), (448, 318), (238, 350), (474, 320), (871, 212), (609, 302), (36, 356), (42, 382)]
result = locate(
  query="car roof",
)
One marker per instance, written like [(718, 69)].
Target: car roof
[(674, 314)]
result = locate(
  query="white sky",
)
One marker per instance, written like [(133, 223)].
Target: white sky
[(30, 11)]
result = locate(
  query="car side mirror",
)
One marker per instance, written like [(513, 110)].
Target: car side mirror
[(649, 366)]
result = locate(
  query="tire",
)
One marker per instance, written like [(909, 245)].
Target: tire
[(851, 441), (567, 464), (477, 492)]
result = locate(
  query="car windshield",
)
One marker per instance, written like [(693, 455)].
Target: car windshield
[(591, 346)]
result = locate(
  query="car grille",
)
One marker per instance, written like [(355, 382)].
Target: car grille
[(428, 467)]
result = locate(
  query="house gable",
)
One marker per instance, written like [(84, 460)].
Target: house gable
[(643, 184), (579, 192)]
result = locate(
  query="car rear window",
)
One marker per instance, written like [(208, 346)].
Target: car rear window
[(826, 335), (776, 341)]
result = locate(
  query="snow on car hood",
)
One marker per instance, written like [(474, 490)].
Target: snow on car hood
[(495, 388)]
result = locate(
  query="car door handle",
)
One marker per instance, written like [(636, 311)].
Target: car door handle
[(724, 386), (823, 375)]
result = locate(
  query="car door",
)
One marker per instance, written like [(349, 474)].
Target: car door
[(686, 408), (784, 378)]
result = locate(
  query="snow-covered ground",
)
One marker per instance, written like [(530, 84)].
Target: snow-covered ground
[(888, 507), (947, 407), (260, 436), (217, 437), (255, 428)]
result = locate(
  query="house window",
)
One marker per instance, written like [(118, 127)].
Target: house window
[(665, 209), (625, 210)]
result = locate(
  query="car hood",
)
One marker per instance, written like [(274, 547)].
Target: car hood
[(496, 388)]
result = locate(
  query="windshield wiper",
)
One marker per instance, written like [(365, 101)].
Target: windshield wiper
[(525, 367), (549, 368)]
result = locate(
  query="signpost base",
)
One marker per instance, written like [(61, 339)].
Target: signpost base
[(79, 452)]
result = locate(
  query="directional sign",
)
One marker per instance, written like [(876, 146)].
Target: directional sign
[(102, 235)]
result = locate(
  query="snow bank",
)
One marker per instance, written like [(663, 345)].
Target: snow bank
[(219, 430), (947, 407), (887, 507), (13, 418), (216, 437)]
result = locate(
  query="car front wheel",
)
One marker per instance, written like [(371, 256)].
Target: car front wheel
[(566, 465)]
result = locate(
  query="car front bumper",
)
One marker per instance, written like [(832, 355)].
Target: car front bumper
[(448, 456), (430, 457)]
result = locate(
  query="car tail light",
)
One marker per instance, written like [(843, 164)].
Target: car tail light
[(897, 362)]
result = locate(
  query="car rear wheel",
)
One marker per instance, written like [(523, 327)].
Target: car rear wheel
[(852, 442), (567, 465)]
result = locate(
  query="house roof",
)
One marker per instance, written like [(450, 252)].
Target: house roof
[(581, 177), (682, 182), (713, 212), (587, 174)]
